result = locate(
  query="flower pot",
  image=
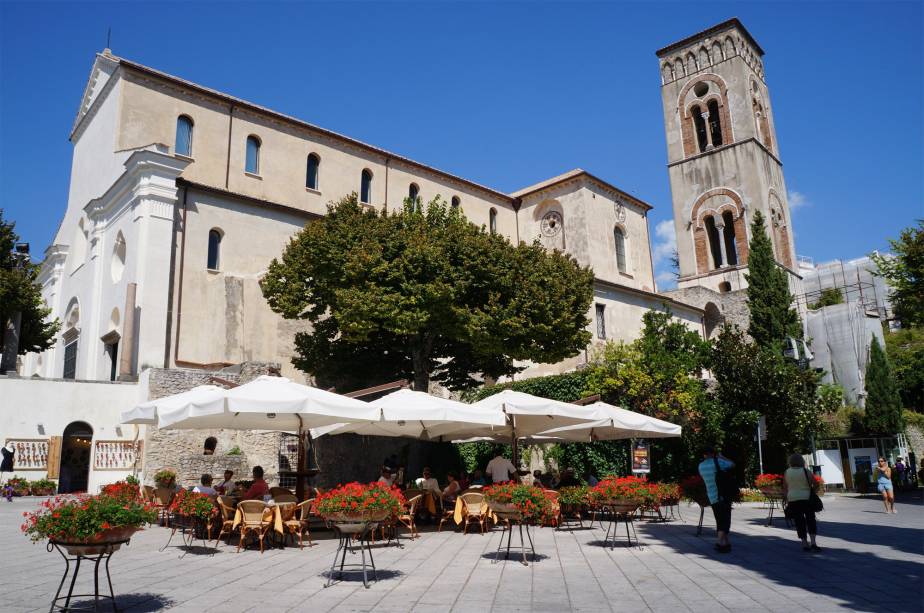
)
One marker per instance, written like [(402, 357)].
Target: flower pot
[(104, 542), (772, 491), (356, 522), (622, 505), (48, 491), (505, 510)]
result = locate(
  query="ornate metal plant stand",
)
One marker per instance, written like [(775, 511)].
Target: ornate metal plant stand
[(353, 534), (190, 529), (510, 516), (77, 553), (620, 511), (570, 517)]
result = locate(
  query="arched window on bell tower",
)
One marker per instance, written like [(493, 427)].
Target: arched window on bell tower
[(715, 245), (715, 124), (699, 125), (731, 245)]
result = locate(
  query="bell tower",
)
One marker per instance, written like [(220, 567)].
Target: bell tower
[(723, 157)]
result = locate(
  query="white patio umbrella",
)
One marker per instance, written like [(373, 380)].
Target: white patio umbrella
[(266, 403), (616, 423), (418, 415), (203, 397)]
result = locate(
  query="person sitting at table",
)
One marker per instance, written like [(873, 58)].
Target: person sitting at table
[(386, 477), (227, 485), (450, 491), (205, 486), (259, 488), (537, 478), (477, 478), (568, 479), (428, 482)]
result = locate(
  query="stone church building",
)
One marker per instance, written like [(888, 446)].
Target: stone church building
[(181, 195)]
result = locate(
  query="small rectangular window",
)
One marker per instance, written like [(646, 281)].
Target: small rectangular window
[(601, 321), (112, 350), (70, 361)]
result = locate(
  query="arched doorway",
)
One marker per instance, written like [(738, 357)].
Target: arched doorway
[(76, 446), (713, 318)]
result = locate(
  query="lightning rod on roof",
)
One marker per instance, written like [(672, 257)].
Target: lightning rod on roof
[(108, 38)]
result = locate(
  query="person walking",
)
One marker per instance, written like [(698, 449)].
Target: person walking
[(798, 485), (900, 470), (713, 469), (883, 475)]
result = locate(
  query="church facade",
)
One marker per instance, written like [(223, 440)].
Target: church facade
[(180, 197)]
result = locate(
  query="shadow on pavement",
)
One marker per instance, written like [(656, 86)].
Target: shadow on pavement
[(862, 579)]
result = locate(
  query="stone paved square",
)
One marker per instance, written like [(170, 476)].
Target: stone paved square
[(870, 562)]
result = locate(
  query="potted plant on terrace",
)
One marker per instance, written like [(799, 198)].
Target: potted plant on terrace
[(192, 510), (87, 525), (770, 484), (694, 488), (518, 502), (358, 504), (122, 490), (43, 487), (622, 494), (19, 486), (165, 478)]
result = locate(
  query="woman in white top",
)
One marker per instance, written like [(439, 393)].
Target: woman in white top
[(798, 485)]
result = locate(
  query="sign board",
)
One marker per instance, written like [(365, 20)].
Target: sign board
[(762, 427), (641, 457)]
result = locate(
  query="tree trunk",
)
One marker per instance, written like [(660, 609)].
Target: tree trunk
[(420, 356)]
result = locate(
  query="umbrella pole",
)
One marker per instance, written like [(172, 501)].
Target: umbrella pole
[(300, 469)]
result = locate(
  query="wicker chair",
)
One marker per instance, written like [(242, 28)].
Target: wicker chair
[(285, 498), (407, 518), (163, 496), (473, 509), (299, 524), (226, 515), (253, 520), (446, 514), (277, 491)]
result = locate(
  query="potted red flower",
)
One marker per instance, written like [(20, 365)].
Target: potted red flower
[(516, 501), (122, 490), (87, 524), (770, 484), (193, 505), (43, 487), (357, 504), (694, 488), (622, 494), (19, 486)]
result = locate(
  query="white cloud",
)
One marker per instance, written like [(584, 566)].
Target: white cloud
[(666, 280), (665, 243), (797, 200)]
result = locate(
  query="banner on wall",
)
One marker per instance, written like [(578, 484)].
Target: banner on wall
[(641, 457)]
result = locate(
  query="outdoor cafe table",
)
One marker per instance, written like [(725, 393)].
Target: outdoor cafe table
[(275, 514)]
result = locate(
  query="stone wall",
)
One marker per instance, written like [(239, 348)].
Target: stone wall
[(182, 450), (728, 307), (915, 442)]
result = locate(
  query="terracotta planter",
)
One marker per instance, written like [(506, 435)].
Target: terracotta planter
[(43, 491), (505, 510), (621, 505), (771, 492), (104, 542), (357, 522)]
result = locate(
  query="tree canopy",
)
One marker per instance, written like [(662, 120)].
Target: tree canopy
[(422, 293), (773, 317), (21, 293), (883, 404), (905, 273)]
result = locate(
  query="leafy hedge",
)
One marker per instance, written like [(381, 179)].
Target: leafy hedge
[(566, 387)]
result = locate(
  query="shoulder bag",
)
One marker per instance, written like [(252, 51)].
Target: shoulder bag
[(814, 499)]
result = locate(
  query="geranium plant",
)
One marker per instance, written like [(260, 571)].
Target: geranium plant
[(193, 504), (361, 499), (770, 480), (575, 495), (122, 490), (165, 478), (43, 487), (694, 488), (75, 519), (667, 492), (623, 488), (19, 486), (532, 502)]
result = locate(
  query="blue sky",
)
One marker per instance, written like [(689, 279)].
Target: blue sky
[(505, 94)]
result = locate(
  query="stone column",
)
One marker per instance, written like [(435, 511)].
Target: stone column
[(709, 144), (128, 334), (720, 227)]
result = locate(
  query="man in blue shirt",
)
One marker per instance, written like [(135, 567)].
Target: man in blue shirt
[(721, 508)]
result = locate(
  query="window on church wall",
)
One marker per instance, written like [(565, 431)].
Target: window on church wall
[(314, 165), (492, 221), (214, 252), (699, 125), (184, 133), (619, 238), (413, 191), (600, 311), (715, 125), (715, 248), (252, 160), (365, 187), (731, 246), (456, 201), (70, 360)]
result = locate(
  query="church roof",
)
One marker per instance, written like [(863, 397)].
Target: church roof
[(720, 27), (573, 174)]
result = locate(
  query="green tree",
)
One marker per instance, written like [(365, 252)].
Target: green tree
[(905, 348), (753, 381), (422, 293), (21, 293), (773, 317), (883, 404), (905, 273), (828, 297)]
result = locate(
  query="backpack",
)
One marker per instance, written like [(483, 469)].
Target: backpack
[(726, 484)]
